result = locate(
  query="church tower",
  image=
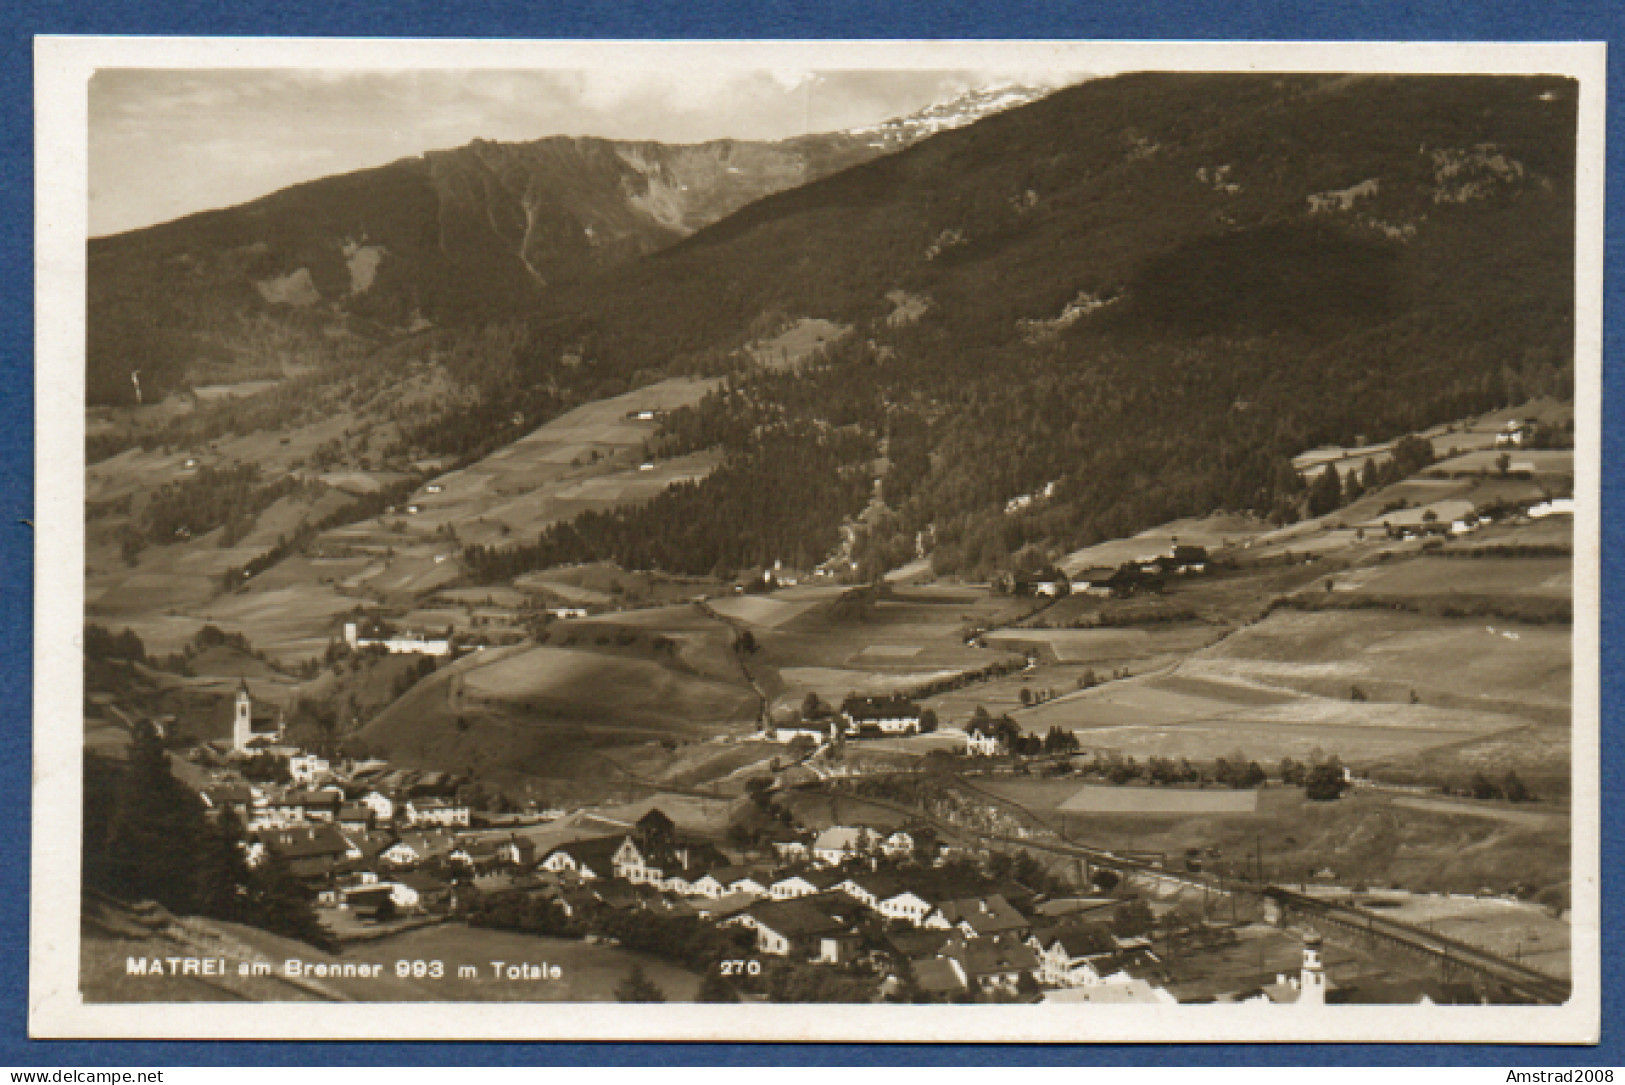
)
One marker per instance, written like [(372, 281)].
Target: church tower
[(242, 722), (1312, 979)]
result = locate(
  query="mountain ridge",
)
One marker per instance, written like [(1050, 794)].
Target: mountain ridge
[(449, 236)]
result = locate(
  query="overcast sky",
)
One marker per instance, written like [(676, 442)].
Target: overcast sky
[(166, 143)]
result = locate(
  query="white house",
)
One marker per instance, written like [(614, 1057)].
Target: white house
[(308, 770), (1068, 959), (748, 884), (707, 886), (400, 854), (629, 863), (839, 843), (401, 644), (906, 906), (978, 744), (791, 732), (381, 805), (1557, 506), (790, 887), (892, 715), (439, 812), (898, 845), (790, 851)]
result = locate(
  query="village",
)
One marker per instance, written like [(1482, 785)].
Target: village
[(1180, 766), (855, 909)]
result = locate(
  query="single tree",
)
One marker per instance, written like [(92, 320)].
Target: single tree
[(637, 987), (713, 988)]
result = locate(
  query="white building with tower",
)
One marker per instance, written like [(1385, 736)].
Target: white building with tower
[(252, 725), (1308, 987)]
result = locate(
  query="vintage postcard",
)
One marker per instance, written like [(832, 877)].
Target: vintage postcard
[(954, 541)]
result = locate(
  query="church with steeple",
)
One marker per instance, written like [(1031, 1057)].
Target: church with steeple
[(252, 725)]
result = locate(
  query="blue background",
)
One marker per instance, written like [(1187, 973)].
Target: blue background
[(1370, 20)]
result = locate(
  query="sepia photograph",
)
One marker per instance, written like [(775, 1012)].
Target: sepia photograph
[(1043, 541)]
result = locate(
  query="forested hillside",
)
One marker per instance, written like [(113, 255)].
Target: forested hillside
[(1149, 290), (452, 238)]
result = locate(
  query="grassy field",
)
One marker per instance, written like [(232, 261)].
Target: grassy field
[(393, 560), (545, 716), (1109, 647), (1545, 577), (1389, 653), (913, 636), (795, 344), (1363, 838), (586, 459), (1213, 532), (1521, 461), (1517, 930)]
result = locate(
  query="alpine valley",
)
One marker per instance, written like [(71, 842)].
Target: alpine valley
[(1165, 432)]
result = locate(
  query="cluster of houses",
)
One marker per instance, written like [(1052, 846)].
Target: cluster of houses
[(397, 643), (1516, 433), (818, 899), (1144, 573), (860, 717)]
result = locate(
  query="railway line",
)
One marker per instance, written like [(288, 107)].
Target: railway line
[(1453, 958)]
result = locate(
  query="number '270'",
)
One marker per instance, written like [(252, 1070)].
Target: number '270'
[(740, 968)]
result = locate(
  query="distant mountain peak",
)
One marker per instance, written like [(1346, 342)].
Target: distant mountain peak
[(955, 111)]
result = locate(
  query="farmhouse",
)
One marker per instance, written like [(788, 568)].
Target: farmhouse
[(1097, 580), (870, 889), (1189, 559), (803, 884), (240, 799), (1069, 957), (1557, 506), (906, 906), (381, 805), (310, 853), (441, 812), (789, 732), (296, 807), (939, 977), (1515, 433), (887, 715), (399, 644), (719, 882), (308, 770), (837, 844), (1000, 965), (983, 744), (415, 848), (589, 860), (801, 928), (980, 917)]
